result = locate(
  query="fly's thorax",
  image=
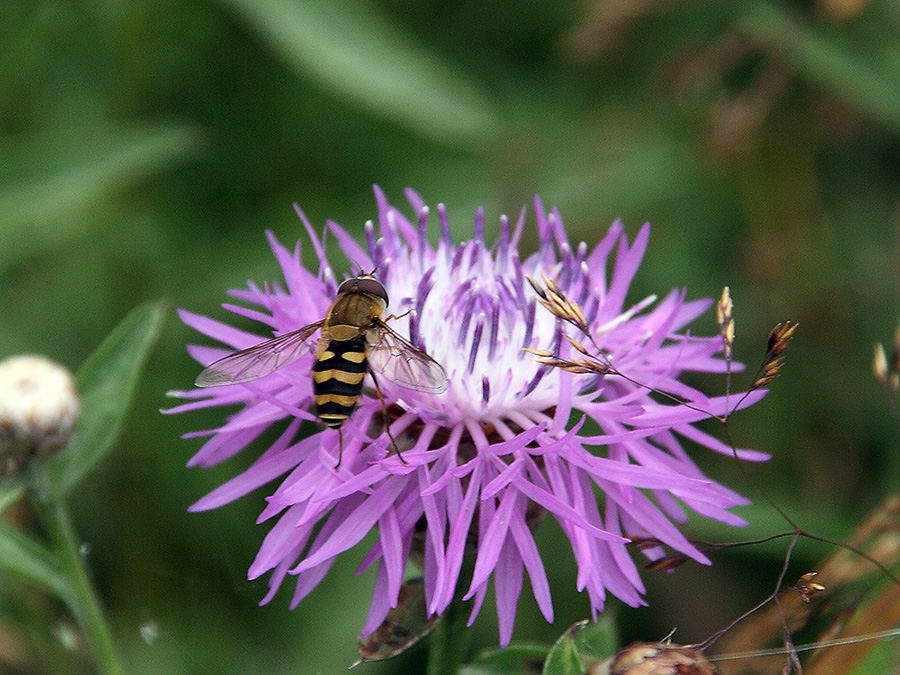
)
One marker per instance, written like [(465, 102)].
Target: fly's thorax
[(352, 314), (343, 332)]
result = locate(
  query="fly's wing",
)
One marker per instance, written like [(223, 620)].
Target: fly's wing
[(402, 362), (259, 360)]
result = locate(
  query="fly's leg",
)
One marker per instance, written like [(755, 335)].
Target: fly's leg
[(340, 448), (384, 415), (396, 316)]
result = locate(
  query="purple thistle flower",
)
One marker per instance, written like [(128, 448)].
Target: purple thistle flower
[(509, 442)]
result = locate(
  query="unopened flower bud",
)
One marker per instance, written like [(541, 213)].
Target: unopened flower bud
[(643, 658), (38, 409)]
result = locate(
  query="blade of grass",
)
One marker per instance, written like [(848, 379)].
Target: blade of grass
[(353, 49), (873, 91), (26, 557), (106, 384)]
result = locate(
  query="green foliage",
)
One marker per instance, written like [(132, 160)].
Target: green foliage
[(581, 647), (517, 659), (107, 383), (353, 49), (563, 659), (145, 146), (28, 558)]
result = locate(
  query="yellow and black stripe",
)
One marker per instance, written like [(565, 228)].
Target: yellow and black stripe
[(338, 376)]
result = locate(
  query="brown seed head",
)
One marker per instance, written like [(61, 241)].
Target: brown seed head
[(807, 588), (880, 365), (725, 319), (643, 658), (577, 366), (577, 345), (779, 339), (554, 300)]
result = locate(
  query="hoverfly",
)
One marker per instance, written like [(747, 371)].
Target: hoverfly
[(355, 340)]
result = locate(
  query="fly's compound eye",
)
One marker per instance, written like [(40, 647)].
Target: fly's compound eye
[(365, 284)]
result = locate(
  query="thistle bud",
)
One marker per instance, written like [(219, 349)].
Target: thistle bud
[(643, 658), (38, 409)]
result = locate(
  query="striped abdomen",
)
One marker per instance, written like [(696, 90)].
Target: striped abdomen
[(338, 376)]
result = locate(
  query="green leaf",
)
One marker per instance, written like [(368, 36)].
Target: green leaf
[(106, 384), (563, 658), (22, 555), (11, 490), (24, 48), (521, 659), (352, 48), (48, 181), (597, 641), (818, 57)]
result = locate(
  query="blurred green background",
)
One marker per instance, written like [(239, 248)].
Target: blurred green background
[(146, 145)]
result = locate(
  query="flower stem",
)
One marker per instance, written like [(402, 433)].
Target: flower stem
[(81, 597), (449, 642)]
